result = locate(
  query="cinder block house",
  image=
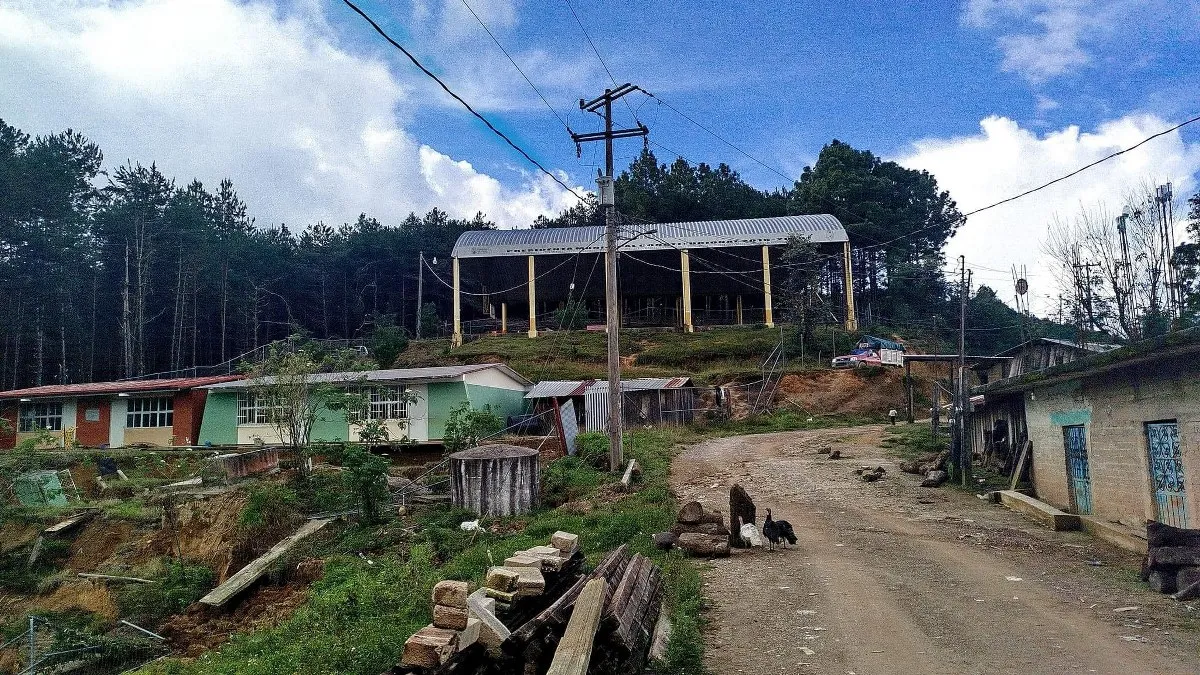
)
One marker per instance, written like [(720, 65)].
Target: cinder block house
[(1117, 434), (236, 414), (159, 413)]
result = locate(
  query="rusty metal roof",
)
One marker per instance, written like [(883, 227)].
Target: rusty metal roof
[(644, 384), (130, 387), (820, 229)]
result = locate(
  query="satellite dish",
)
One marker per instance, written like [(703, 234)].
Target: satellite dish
[(1022, 286)]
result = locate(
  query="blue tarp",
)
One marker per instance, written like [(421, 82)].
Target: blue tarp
[(880, 343)]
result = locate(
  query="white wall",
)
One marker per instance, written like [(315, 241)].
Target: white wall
[(494, 377)]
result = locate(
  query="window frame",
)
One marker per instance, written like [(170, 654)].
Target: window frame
[(150, 412), (43, 416), (256, 409)]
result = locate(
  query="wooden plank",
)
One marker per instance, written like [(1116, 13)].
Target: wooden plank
[(109, 577), (1016, 477), (629, 471), (574, 652), (67, 524), (241, 580), (610, 568)]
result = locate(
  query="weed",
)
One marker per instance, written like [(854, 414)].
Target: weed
[(912, 441), (181, 584)]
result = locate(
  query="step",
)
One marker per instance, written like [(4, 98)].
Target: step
[(1116, 534), (1040, 511)]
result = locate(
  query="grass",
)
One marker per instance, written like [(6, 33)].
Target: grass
[(377, 583), (913, 441)]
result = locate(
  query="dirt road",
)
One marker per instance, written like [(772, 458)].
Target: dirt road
[(889, 577)]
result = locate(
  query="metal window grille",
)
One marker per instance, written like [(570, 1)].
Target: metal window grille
[(388, 403), (256, 409), (150, 412), (41, 415)]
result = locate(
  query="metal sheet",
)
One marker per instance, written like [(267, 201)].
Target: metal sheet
[(570, 427), (1166, 473)]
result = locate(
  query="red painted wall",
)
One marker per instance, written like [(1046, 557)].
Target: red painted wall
[(189, 411), (8, 436), (92, 434)]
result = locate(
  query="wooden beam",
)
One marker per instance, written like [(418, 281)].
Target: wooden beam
[(241, 580), (503, 317), (109, 577), (1016, 477), (851, 319), (456, 339), (630, 468), (768, 312), (532, 299), (574, 653), (686, 272)]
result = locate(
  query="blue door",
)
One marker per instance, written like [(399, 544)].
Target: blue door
[(1166, 472), (1079, 477)]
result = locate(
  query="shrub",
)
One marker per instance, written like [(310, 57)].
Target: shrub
[(182, 584), (467, 426)]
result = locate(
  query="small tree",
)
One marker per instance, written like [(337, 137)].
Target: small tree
[(799, 290), (386, 341), (430, 323), (467, 426), (572, 315)]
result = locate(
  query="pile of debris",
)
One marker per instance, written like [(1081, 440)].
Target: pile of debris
[(870, 474), (1172, 562), (699, 532), (565, 621), (932, 466)]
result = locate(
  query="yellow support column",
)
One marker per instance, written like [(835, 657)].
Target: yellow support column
[(685, 268), (504, 317), (768, 313), (456, 340), (532, 299), (851, 319), (739, 309)]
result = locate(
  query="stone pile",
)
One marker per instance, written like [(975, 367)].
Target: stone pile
[(1172, 562), (870, 474), (699, 532)]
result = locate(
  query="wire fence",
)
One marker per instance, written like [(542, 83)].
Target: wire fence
[(45, 646)]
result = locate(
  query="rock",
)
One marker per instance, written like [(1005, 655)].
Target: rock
[(521, 560), (690, 513), (1162, 581), (530, 581), (825, 450), (859, 471), (502, 579), (935, 479), (470, 634), (566, 542), (871, 476), (836, 454), (429, 647), (451, 594), (452, 618), (704, 545), (1174, 556), (1186, 576), (741, 511), (712, 517), (664, 541), (1159, 535), (703, 528)]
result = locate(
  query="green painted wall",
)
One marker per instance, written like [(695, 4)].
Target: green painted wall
[(505, 402), (1067, 418), (219, 424), (443, 397), (330, 425)]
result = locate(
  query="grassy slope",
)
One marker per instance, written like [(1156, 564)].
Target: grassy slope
[(360, 613)]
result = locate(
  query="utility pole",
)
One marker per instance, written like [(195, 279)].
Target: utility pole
[(961, 397), (420, 290), (608, 203)]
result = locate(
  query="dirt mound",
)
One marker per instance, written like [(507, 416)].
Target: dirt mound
[(868, 390), (208, 532), (97, 542), (86, 595), (202, 628)]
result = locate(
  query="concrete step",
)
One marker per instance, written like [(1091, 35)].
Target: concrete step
[(1116, 534), (1040, 511)]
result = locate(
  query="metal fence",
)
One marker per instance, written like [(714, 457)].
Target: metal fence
[(46, 646)]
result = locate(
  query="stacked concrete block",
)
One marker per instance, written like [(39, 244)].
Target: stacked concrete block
[(452, 630)]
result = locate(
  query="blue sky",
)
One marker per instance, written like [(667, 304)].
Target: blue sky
[(315, 118)]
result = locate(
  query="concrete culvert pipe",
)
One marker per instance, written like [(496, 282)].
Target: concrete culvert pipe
[(495, 480)]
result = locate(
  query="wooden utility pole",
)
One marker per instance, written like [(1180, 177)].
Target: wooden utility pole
[(608, 203), (420, 290), (961, 397)]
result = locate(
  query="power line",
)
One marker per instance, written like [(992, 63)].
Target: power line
[(601, 58), (514, 63), (574, 258), (460, 99)]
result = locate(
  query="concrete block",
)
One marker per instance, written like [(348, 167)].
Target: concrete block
[(530, 581), (450, 618), (451, 593), (470, 634), (429, 647), (1040, 511), (502, 579), (522, 560), (1116, 534), (566, 542)]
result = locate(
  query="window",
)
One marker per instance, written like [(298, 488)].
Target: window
[(257, 409), (158, 411), (388, 403), (41, 415)]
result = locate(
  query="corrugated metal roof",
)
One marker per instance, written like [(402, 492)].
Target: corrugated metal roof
[(696, 234), (431, 374), (644, 384), (558, 388), (1095, 347), (101, 388)]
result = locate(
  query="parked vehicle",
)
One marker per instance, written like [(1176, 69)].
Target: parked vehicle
[(871, 351)]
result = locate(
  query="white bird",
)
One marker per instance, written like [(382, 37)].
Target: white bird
[(469, 525), (750, 535)]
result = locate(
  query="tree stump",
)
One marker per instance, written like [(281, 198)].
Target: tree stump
[(741, 512), (690, 513), (703, 545)]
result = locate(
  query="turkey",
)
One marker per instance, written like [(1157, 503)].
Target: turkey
[(777, 531)]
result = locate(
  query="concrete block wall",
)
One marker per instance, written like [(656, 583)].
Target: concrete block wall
[(1114, 407)]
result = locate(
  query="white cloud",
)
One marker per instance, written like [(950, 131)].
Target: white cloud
[(306, 129), (1005, 159), (1043, 39)]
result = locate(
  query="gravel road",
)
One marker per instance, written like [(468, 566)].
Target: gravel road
[(889, 577)]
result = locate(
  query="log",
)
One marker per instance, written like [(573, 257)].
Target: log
[(712, 517), (1190, 593), (1174, 556), (741, 511), (630, 469), (558, 612), (574, 653), (242, 579), (702, 528), (935, 479), (690, 513), (1159, 535), (1186, 576), (703, 545)]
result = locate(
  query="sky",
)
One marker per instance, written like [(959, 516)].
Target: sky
[(315, 118)]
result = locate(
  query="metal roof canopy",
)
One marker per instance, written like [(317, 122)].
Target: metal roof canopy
[(393, 375), (820, 229)]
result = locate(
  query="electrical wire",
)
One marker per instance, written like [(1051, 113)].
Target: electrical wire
[(460, 99), (601, 58), (578, 252), (514, 63)]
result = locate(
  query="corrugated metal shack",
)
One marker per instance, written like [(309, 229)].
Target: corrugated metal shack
[(648, 401)]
